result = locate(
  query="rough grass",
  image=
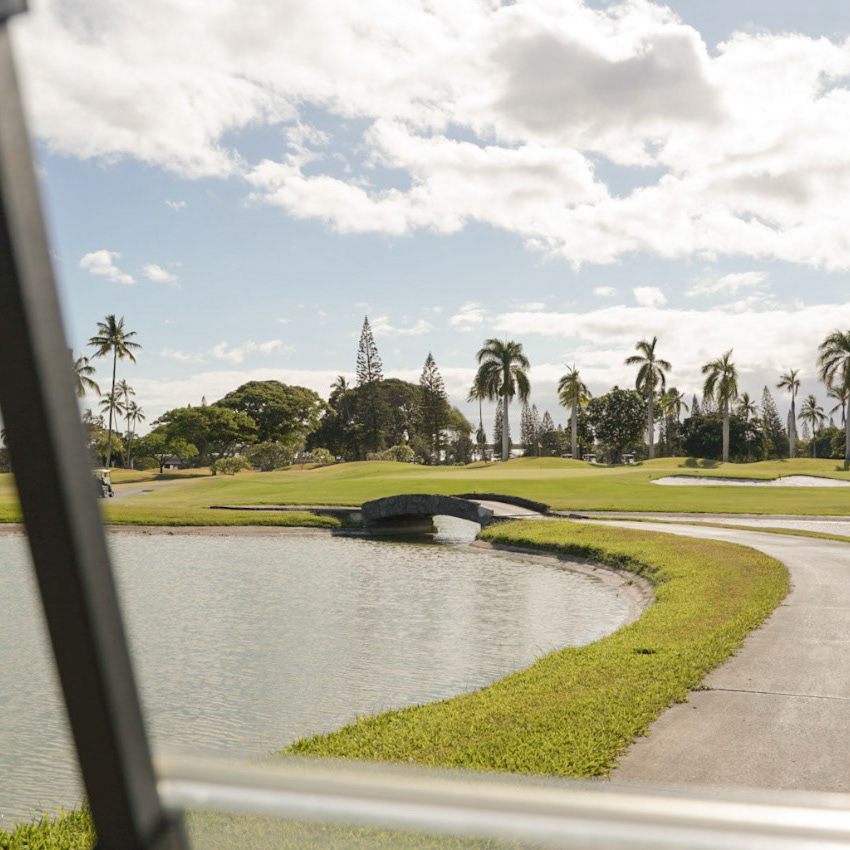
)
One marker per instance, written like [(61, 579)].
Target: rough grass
[(68, 831), (127, 515), (174, 516), (219, 831), (575, 711)]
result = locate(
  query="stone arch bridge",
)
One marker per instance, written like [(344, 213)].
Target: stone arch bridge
[(414, 513)]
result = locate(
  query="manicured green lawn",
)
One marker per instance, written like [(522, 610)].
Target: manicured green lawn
[(575, 711), (564, 484)]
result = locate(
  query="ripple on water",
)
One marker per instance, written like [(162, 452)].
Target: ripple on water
[(243, 644)]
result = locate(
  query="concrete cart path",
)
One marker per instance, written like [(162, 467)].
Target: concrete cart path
[(777, 714)]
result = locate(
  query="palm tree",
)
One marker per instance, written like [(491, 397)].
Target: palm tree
[(841, 395), (789, 381), (834, 365), (650, 375), (672, 405), (573, 393), (746, 407), (83, 372), (480, 434), (124, 391), (501, 375), (112, 337), (135, 414), (812, 413), (721, 385)]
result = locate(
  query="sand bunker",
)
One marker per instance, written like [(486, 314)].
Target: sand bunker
[(717, 481)]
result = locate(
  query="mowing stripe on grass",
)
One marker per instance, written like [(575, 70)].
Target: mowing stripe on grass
[(576, 710)]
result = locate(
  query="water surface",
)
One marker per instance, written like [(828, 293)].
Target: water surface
[(243, 644)]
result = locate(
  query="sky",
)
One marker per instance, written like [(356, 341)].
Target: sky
[(243, 187)]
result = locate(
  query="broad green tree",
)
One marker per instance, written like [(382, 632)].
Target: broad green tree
[(112, 337), (812, 414), (721, 386), (573, 394), (502, 374), (282, 413), (617, 419), (215, 431), (83, 376), (789, 381), (650, 378), (834, 366), (159, 446)]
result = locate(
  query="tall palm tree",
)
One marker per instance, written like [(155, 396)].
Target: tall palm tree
[(83, 372), (841, 395), (124, 391), (746, 407), (480, 434), (721, 385), (834, 365), (789, 381), (112, 337), (502, 374), (573, 393), (650, 375), (812, 412), (672, 405), (135, 414)]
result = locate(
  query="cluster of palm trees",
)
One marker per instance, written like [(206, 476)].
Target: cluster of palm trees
[(503, 367), (111, 338)]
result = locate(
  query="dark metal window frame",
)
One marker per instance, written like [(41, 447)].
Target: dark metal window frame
[(53, 476)]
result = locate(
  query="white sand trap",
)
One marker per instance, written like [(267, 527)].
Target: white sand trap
[(717, 481)]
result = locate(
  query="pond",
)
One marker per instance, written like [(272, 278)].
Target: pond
[(244, 643)]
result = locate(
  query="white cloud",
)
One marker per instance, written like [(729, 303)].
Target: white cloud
[(469, 317), (102, 264), (649, 296), (181, 356), (237, 353), (381, 325), (604, 291), (492, 112), (158, 274), (731, 283), (177, 206), (532, 306)]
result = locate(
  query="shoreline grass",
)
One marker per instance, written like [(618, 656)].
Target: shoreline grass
[(120, 515), (574, 712)]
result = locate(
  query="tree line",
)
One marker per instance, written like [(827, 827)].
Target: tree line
[(267, 424)]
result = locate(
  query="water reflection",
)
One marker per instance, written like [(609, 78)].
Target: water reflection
[(243, 644)]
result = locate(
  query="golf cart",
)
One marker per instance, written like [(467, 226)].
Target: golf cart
[(104, 483)]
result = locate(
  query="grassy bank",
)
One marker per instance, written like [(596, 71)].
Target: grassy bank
[(175, 516), (575, 711)]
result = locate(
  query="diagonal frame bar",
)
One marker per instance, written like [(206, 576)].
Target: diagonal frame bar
[(57, 494)]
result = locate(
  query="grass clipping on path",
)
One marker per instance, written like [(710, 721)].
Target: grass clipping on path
[(576, 710)]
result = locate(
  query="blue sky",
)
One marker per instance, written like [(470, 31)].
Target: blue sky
[(573, 175)]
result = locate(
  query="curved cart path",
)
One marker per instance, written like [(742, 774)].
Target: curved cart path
[(777, 714)]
